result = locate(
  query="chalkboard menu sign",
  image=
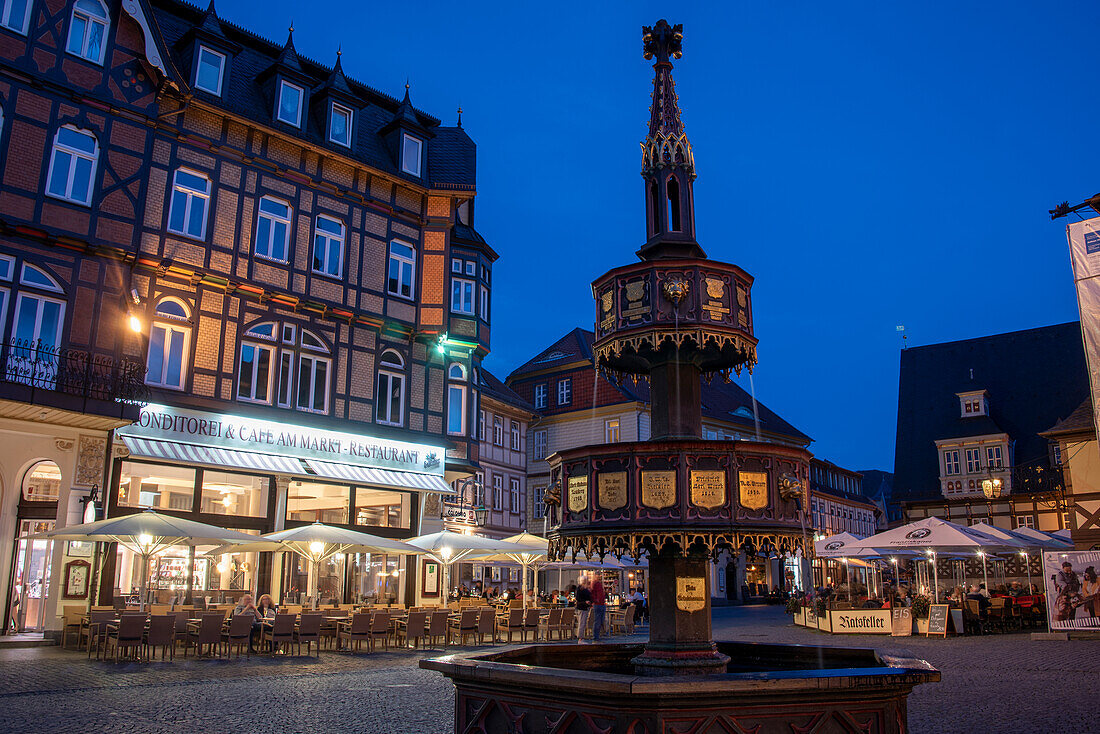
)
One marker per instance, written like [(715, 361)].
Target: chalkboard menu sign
[(937, 620), (902, 622)]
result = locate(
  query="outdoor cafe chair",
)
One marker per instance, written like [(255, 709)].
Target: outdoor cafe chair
[(413, 628), (568, 627), (551, 623), (357, 630), (485, 623), (997, 613), (238, 634), (513, 623), (71, 616), (465, 625), (531, 623), (280, 629), (972, 618), (309, 632), (379, 629), (622, 620), (162, 634), (206, 634), (437, 626), (128, 634), (96, 630)]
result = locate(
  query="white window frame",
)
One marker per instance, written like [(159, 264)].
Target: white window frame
[(513, 495), (481, 425), (42, 372), (462, 296), (541, 395), (565, 391), (329, 240), (484, 310), (74, 154), (394, 372), (1024, 521), (993, 457), (612, 430), (311, 363), (403, 261), (973, 461), (498, 492), (538, 503), (405, 167), (256, 371), (283, 84), (284, 379), (221, 69), (173, 326), (514, 431), (273, 221), (498, 431), (104, 21), (335, 109), (951, 465), (456, 398), (540, 444), (24, 22), (189, 197)]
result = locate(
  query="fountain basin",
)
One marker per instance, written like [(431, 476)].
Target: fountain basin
[(766, 688)]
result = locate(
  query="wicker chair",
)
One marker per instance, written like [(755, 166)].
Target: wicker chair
[(281, 629), (568, 627), (380, 629), (208, 635), (355, 631), (309, 632), (465, 625), (129, 634), (551, 623), (531, 623), (414, 628), (437, 627), (513, 623), (96, 631), (239, 634), (486, 622)]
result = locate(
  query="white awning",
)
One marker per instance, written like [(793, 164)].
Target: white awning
[(189, 453), (381, 477)]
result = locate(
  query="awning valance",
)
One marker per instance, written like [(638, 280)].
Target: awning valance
[(380, 477), (190, 453)]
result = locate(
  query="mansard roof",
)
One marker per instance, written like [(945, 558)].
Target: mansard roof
[(451, 154)]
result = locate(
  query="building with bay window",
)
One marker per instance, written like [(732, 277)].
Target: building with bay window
[(237, 286)]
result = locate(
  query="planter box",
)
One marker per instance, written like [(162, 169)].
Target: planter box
[(800, 617), (921, 625)]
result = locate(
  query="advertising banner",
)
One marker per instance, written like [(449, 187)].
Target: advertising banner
[(1073, 591), (1084, 251)]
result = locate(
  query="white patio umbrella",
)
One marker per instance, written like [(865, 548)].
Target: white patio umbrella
[(315, 543), (532, 557), (146, 534), (447, 548), (1046, 541)]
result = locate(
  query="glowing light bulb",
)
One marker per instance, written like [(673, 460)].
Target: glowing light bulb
[(446, 552), (135, 324), (316, 547), (145, 541)]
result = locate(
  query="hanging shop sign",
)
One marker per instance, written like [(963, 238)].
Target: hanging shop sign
[(226, 431), (754, 489)]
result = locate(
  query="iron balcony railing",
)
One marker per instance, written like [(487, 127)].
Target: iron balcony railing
[(54, 368)]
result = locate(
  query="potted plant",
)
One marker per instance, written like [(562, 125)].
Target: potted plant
[(921, 607), (820, 608), (794, 604)]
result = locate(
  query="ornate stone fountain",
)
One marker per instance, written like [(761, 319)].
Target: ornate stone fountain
[(674, 318)]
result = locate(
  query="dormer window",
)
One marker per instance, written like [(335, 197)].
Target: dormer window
[(289, 107), (972, 404), (339, 125), (209, 70), (410, 154)]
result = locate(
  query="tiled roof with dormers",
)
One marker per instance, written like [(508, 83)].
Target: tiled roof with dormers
[(450, 151), (492, 387), (1033, 378)]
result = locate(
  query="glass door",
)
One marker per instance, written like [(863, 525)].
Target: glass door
[(32, 577)]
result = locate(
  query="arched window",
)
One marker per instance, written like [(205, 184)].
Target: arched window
[(73, 165), (35, 329), (456, 400), (169, 345), (42, 482), (673, 191), (390, 393), (254, 368), (313, 372), (88, 30)]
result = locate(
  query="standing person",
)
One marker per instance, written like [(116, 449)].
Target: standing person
[(1091, 591), (584, 608), (599, 607)]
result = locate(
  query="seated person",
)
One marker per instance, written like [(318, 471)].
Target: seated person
[(983, 601)]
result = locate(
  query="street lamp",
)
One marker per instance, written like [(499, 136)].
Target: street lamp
[(992, 487)]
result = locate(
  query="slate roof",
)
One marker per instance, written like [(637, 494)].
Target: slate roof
[(451, 159), (720, 399), (1079, 421), (1033, 378), (497, 390)]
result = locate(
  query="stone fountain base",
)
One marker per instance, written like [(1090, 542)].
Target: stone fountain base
[(765, 689)]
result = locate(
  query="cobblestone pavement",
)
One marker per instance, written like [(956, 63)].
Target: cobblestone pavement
[(1002, 682)]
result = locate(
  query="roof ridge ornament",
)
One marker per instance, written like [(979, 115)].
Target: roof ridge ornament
[(666, 144)]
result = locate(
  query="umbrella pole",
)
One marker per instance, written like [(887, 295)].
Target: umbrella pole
[(935, 580), (985, 575), (145, 558), (314, 581)]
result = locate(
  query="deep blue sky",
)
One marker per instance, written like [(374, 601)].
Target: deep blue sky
[(871, 164)]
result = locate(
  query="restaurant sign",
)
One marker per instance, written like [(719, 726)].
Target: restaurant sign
[(861, 621), (225, 431)]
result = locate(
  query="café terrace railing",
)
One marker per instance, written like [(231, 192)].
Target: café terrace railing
[(54, 368)]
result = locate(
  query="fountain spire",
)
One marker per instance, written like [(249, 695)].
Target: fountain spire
[(668, 163)]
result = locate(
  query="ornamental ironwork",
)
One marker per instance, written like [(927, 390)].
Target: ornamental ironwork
[(52, 367)]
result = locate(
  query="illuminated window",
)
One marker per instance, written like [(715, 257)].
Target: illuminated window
[(273, 229), (88, 30), (190, 200), (72, 165), (169, 345), (42, 482)]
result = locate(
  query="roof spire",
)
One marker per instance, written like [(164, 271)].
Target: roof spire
[(668, 165), (460, 115)]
